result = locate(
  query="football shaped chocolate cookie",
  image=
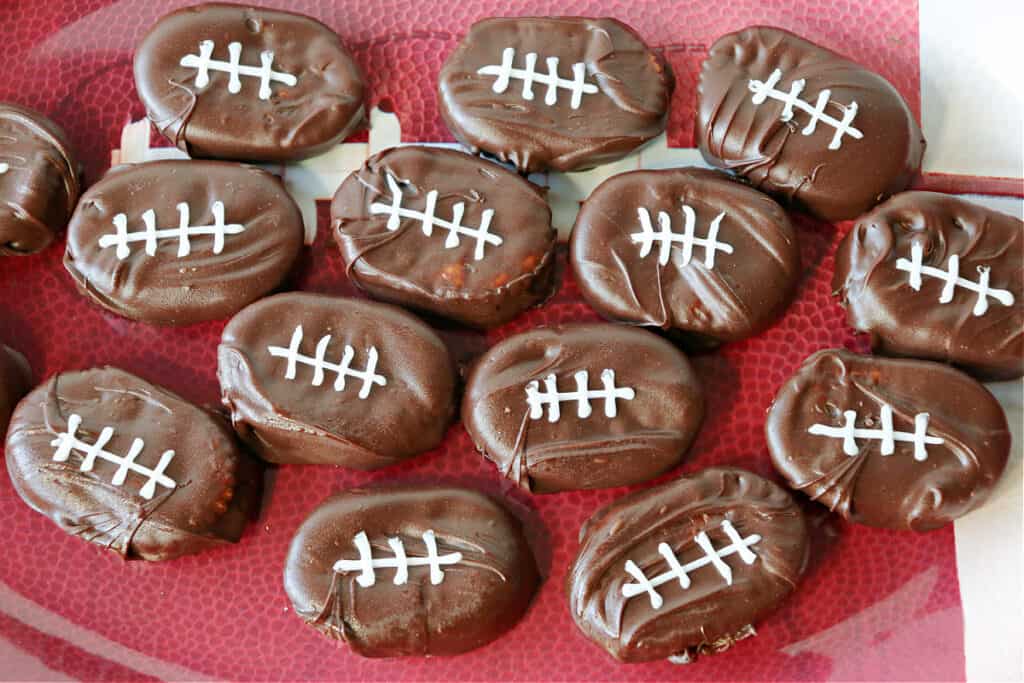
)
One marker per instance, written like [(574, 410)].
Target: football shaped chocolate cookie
[(38, 180), (685, 249), (324, 380), (447, 233), (560, 93), (236, 82), (902, 444), (805, 124), (403, 570), (179, 242), (688, 567), (15, 381), (129, 466), (932, 276), (582, 407)]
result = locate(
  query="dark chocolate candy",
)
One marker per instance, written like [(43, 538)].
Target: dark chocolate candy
[(685, 249), (129, 466), (128, 252), (932, 276), (445, 232), (15, 381), (237, 82), (902, 444), (583, 407), (688, 567), (561, 93), (324, 380), (39, 182), (804, 123), (404, 570)]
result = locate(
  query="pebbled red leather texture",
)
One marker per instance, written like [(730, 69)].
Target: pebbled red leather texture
[(875, 605)]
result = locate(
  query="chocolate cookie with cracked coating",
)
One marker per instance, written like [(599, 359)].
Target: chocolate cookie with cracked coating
[(686, 249), (410, 570), (446, 233), (39, 180), (901, 444), (805, 124), (130, 466), (15, 381), (246, 83), (932, 276), (314, 379), (582, 407), (688, 567), (554, 93)]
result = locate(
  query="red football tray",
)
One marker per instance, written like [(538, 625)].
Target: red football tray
[(874, 604)]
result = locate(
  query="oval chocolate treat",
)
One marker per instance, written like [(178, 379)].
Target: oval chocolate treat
[(688, 567), (932, 276), (582, 407), (805, 124), (179, 242), (902, 444), (39, 182), (559, 93), (323, 380), (685, 249), (15, 381), (236, 82), (401, 570), (129, 466), (446, 233)]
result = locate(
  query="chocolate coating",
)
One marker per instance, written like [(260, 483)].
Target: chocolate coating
[(301, 420), (477, 599), (899, 490), (648, 434), (474, 282), (320, 106), (711, 613), (39, 180), (171, 289), (624, 101), (738, 295), (782, 157), (15, 381), (873, 270), (213, 486)]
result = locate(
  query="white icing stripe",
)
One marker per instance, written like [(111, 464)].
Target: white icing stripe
[(849, 433), (666, 238), (367, 565), (68, 442), (4, 167), (204, 64), (764, 89), (680, 572), (504, 72), (344, 369), (951, 276), (551, 397), (122, 238)]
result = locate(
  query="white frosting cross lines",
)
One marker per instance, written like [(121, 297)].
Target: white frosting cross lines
[(203, 64), (666, 238), (915, 267), (849, 433), (343, 369), (738, 546), (182, 233), (367, 564), (764, 89), (69, 441), (504, 72), (551, 398), (428, 220)]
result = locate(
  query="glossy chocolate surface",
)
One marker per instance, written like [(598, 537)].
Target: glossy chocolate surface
[(928, 446), (39, 180), (933, 307), (484, 579), (623, 90), (815, 159), (15, 381), (741, 539), (130, 496), (643, 408), (489, 253), (311, 99), (391, 399), (162, 278)]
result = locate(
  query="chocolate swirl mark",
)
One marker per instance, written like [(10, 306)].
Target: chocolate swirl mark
[(367, 565), (551, 397), (666, 238), (319, 364), (504, 72), (766, 89), (203, 63), (183, 232), (951, 277)]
